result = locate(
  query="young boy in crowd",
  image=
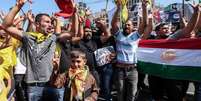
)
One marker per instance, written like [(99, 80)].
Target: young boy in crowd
[(81, 83)]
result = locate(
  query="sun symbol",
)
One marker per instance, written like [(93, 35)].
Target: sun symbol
[(168, 55)]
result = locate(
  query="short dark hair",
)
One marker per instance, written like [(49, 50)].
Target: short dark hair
[(131, 20), (159, 26), (77, 54), (39, 16)]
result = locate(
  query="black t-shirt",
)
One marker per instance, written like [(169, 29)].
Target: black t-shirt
[(87, 46), (65, 56)]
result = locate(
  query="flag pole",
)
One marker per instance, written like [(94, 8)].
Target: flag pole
[(106, 5), (183, 8)]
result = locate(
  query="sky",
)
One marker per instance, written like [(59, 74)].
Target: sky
[(49, 6)]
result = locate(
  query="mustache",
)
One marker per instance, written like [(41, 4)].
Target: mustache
[(88, 36), (125, 28)]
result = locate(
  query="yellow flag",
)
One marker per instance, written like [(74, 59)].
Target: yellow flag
[(78, 77), (39, 36), (4, 90), (124, 14), (8, 55), (150, 2), (7, 62), (124, 10), (124, 2)]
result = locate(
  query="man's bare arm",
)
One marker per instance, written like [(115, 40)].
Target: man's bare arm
[(8, 20), (31, 25), (192, 23), (65, 36), (103, 27), (143, 23), (149, 28), (75, 24), (116, 18)]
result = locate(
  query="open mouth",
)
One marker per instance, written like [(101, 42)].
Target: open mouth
[(50, 28)]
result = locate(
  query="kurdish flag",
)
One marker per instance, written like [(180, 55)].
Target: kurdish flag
[(172, 59)]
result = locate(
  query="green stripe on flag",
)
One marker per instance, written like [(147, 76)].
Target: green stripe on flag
[(170, 72)]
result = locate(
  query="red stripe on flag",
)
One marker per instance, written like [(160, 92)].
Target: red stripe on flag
[(172, 44)]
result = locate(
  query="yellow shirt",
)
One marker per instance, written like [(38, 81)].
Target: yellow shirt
[(4, 90), (8, 55), (7, 62)]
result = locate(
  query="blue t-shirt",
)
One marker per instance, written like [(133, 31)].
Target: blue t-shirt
[(126, 47)]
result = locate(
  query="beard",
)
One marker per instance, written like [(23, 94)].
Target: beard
[(87, 37), (125, 31)]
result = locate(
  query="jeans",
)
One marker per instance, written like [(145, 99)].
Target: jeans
[(106, 73), (174, 89), (35, 93), (141, 83), (54, 94), (45, 93), (197, 91), (20, 87), (126, 84)]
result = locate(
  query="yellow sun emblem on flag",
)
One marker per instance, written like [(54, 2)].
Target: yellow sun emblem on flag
[(168, 55)]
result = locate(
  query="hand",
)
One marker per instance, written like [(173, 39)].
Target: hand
[(55, 62), (22, 17), (184, 21), (55, 17), (56, 20), (150, 16), (73, 3), (2, 15), (21, 2), (144, 3), (119, 3), (81, 19), (100, 23), (75, 7), (86, 100), (87, 12), (30, 16), (195, 7), (18, 20), (110, 57)]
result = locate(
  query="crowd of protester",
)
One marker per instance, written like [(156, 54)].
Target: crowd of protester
[(49, 61)]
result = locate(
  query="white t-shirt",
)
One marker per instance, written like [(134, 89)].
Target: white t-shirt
[(19, 68), (126, 47)]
